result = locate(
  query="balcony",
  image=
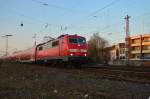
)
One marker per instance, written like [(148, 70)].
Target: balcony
[(135, 51), (145, 43), (146, 51), (135, 44)]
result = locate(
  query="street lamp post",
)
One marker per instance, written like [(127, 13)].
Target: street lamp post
[(6, 36)]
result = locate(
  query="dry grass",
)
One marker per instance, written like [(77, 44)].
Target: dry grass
[(26, 81)]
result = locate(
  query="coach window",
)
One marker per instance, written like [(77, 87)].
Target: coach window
[(55, 43), (40, 48)]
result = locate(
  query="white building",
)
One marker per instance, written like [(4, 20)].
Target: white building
[(117, 52)]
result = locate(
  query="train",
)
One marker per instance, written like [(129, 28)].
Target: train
[(65, 48)]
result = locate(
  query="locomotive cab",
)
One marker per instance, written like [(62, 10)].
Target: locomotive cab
[(77, 48)]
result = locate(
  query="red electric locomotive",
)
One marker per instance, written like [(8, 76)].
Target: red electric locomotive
[(66, 48)]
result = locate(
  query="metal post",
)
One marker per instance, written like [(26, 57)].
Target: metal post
[(127, 38), (6, 45), (34, 37), (6, 36), (141, 54)]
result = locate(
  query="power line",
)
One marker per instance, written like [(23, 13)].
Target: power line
[(101, 9), (46, 24), (52, 5), (106, 6), (23, 15)]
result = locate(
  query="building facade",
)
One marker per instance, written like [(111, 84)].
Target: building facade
[(140, 47), (117, 52), (135, 51)]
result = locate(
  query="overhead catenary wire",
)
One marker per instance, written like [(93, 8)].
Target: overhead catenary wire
[(97, 11), (93, 14), (23, 15), (46, 26), (52, 5), (33, 19), (101, 9)]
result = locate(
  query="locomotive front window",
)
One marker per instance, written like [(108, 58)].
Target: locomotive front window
[(73, 40), (81, 40)]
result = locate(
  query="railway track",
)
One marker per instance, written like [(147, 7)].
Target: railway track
[(131, 74), (121, 73)]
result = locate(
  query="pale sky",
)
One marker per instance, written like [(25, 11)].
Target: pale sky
[(82, 17)]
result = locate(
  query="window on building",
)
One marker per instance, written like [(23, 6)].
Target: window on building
[(146, 39), (136, 41), (123, 57), (146, 47), (120, 57), (138, 56), (120, 51), (136, 48), (123, 51)]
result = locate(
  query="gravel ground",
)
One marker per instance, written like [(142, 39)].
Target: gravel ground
[(24, 81)]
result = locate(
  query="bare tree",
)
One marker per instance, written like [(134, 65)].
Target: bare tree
[(96, 48)]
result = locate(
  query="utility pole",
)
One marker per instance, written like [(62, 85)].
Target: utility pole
[(7, 36), (141, 55), (127, 38), (127, 25)]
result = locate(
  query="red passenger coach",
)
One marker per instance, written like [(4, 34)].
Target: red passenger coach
[(65, 48), (72, 48)]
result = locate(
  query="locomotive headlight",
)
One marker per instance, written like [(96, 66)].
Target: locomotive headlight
[(83, 50), (71, 54), (85, 54)]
